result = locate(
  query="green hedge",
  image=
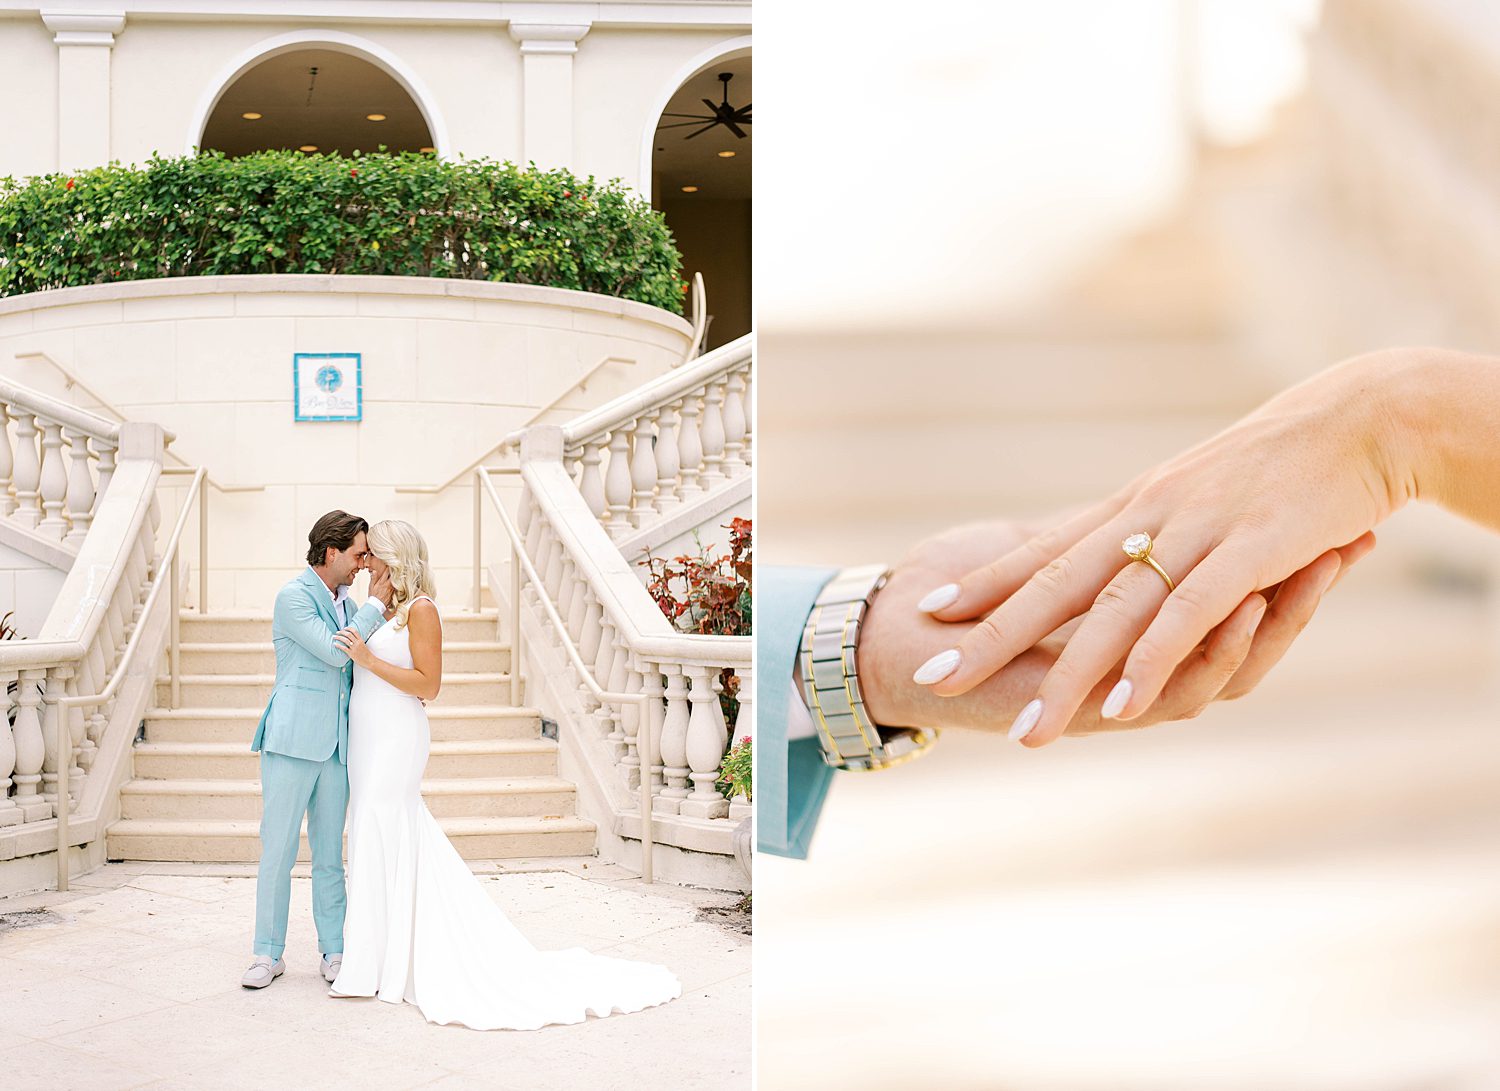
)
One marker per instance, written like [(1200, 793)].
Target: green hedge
[(288, 212)]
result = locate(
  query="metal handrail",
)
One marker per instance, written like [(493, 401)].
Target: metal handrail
[(92, 424), (700, 317), (657, 392), (64, 741), (520, 560), (509, 440), (167, 437)]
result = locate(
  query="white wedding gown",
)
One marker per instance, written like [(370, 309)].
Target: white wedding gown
[(419, 925)]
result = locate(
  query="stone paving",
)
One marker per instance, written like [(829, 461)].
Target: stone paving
[(131, 980)]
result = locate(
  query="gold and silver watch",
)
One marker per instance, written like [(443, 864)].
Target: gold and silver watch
[(830, 679)]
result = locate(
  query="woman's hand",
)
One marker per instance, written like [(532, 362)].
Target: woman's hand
[(1281, 492), (897, 636), (353, 645)]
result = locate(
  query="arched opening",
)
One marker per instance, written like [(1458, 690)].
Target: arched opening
[(700, 181), (316, 99)]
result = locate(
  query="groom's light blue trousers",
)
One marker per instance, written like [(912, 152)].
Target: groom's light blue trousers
[(290, 788)]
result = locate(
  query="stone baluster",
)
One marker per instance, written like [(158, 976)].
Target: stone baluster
[(643, 471), (735, 464), (749, 404), (524, 513), (706, 739), (567, 594), (712, 434), (113, 628), (689, 451), (668, 459), (54, 482), (744, 720), (630, 727), (105, 449), (599, 667), (656, 710), (94, 681), (31, 752), (619, 675), (553, 572), (604, 655), (578, 608), (617, 483), (10, 813), (28, 472), (80, 495), (674, 736), (59, 682), (588, 643), (84, 748), (7, 470), (591, 483)]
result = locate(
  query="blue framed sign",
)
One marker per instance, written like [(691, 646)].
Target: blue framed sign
[(328, 386)]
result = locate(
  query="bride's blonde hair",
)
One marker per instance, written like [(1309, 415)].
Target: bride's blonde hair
[(398, 544)]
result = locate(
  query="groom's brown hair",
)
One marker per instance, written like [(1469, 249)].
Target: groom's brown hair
[(338, 530)]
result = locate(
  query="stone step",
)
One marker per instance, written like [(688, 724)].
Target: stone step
[(259, 657), (239, 626), (238, 841), (243, 690), (481, 758), (237, 725), (467, 797)]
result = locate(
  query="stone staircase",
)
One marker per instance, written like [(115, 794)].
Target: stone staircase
[(491, 780)]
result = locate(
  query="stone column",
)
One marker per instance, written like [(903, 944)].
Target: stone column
[(84, 41), (547, 48)]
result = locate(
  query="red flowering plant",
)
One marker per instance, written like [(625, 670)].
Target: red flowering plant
[(709, 595)]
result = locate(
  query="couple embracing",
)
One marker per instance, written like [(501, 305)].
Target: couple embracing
[(346, 731)]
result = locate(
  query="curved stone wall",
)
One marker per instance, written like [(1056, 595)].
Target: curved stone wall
[(448, 368)]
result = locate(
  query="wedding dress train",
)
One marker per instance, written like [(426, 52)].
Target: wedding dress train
[(419, 925)]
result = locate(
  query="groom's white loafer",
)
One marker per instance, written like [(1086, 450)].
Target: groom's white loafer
[(331, 964), (262, 972)]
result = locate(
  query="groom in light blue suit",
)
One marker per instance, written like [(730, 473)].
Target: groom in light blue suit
[(303, 740)]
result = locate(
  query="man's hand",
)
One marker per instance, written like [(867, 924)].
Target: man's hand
[(380, 587), (897, 638)]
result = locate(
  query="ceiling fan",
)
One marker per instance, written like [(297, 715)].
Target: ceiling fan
[(722, 114)]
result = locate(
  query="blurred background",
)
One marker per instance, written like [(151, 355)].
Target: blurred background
[(1011, 255)]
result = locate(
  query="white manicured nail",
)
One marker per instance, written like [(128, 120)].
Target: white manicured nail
[(1026, 721), (939, 597), (1118, 698), (937, 668)]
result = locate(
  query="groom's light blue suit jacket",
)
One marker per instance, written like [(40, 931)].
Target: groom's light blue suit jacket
[(308, 714), (791, 779)]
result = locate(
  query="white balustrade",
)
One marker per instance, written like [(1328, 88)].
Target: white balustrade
[(673, 441), (43, 487), (58, 467), (614, 637)]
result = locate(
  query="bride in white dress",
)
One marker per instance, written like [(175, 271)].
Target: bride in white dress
[(419, 926)]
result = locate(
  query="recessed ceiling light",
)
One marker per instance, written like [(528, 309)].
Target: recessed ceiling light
[(250, 116), (374, 117), (308, 148), (726, 155), (689, 189), (429, 151)]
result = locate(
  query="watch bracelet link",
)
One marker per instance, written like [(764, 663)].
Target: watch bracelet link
[(830, 679)]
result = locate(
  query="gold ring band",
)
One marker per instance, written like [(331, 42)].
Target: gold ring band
[(1138, 548)]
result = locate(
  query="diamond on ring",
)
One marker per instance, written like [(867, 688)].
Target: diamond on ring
[(1137, 547)]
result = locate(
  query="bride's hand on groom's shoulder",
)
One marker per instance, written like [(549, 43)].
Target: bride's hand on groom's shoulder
[(898, 636)]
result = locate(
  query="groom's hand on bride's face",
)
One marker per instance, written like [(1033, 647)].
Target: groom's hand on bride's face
[(898, 637), (380, 586)]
